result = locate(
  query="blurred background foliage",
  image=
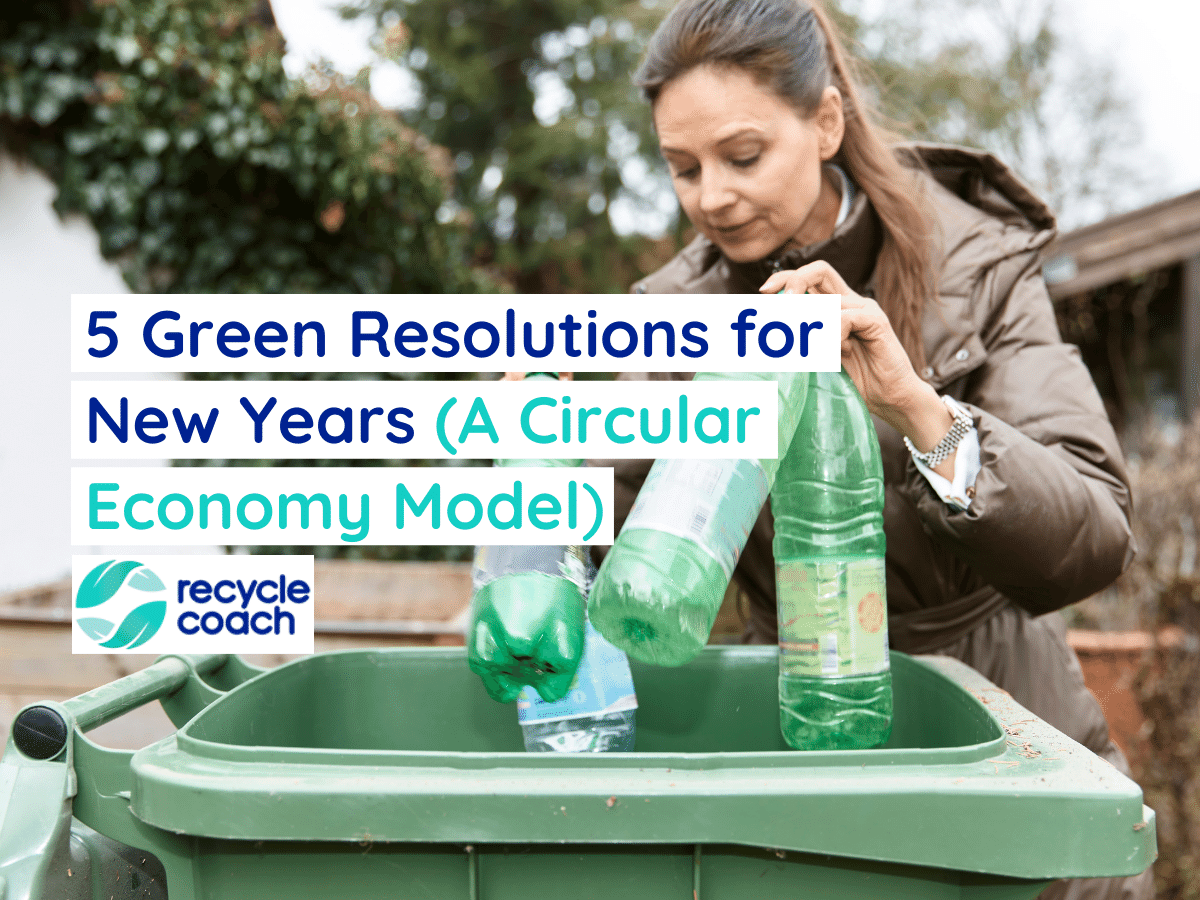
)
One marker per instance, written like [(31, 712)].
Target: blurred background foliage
[(533, 101), (1161, 593), (535, 105), (174, 129), (525, 160)]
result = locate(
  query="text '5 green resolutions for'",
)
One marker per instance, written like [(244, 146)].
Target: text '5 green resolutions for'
[(455, 333)]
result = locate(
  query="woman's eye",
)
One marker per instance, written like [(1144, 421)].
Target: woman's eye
[(688, 173), (747, 162)]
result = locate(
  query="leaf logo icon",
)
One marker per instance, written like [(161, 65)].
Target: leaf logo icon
[(101, 584), (139, 626), (96, 629)]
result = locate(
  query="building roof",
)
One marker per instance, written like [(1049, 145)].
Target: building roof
[(1123, 247)]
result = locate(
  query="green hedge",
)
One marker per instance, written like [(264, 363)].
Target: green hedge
[(173, 128)]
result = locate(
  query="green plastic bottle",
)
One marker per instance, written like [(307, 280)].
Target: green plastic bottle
[(528, 609), (835, 685), (661, 585), (527, 619)]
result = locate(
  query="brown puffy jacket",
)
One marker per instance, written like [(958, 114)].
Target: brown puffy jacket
[(1049, 520)]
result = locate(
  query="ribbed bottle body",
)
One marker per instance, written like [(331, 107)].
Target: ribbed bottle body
[(834, 681)]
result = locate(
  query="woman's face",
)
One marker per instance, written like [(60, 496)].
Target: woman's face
[(746, 166)]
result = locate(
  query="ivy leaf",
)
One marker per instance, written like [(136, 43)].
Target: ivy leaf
[(155, 140)]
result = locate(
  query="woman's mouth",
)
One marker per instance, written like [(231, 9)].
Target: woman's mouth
[(729, 230)]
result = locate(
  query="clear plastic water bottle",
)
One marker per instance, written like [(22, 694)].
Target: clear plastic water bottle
[(835, 685), (598, 713), (527, 609), (661, 585)]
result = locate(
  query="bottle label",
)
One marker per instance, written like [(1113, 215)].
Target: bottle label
[(496, 561), (603, 684), (832, 617), (712, 502)]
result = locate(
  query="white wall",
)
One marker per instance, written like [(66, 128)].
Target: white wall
[(43, 260)]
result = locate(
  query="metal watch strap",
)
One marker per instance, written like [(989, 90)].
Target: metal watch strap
[(958, 430)]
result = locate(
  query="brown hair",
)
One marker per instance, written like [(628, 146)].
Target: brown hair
[(793, 47)]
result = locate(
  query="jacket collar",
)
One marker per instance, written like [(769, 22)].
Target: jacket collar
[(851, 249), (983, 213), (952, 346)]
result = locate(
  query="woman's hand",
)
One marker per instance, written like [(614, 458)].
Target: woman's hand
[(874, 359)]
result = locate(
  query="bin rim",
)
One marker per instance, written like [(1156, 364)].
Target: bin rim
[(465, 759), (1034, 805)]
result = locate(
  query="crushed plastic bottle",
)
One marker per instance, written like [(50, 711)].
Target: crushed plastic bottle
[(598, 712), (661, 585), (527, 610), (835, 686), (527, 619)]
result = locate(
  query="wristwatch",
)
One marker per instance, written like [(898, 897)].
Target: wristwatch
[(963, 423)]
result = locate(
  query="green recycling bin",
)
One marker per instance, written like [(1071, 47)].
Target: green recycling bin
[(389, 773)]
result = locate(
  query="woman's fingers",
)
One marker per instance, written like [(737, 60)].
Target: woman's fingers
[(861, 316), (815, 278), (871, 352), (864, 324), (796, 282)]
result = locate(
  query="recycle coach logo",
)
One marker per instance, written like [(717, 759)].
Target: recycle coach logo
[(192, 603), (116, 579)]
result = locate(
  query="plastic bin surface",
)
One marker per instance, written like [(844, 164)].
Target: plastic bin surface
[(389, 773), (404, 745)]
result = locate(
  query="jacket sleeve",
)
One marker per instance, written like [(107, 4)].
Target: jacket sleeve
[(1049, 523)]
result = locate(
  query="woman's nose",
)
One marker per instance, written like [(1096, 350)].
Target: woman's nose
[(715, 192)]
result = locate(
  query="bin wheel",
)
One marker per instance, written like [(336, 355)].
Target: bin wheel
[(39, 732)]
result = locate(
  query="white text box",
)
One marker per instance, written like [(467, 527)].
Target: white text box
[(285, 506), (455, 333), (423, 419)]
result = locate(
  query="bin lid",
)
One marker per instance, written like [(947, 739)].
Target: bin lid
[(404, 745)]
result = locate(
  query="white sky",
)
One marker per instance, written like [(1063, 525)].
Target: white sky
[(1152, 45)]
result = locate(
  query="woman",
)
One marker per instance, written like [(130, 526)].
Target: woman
[(1006, 493)]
